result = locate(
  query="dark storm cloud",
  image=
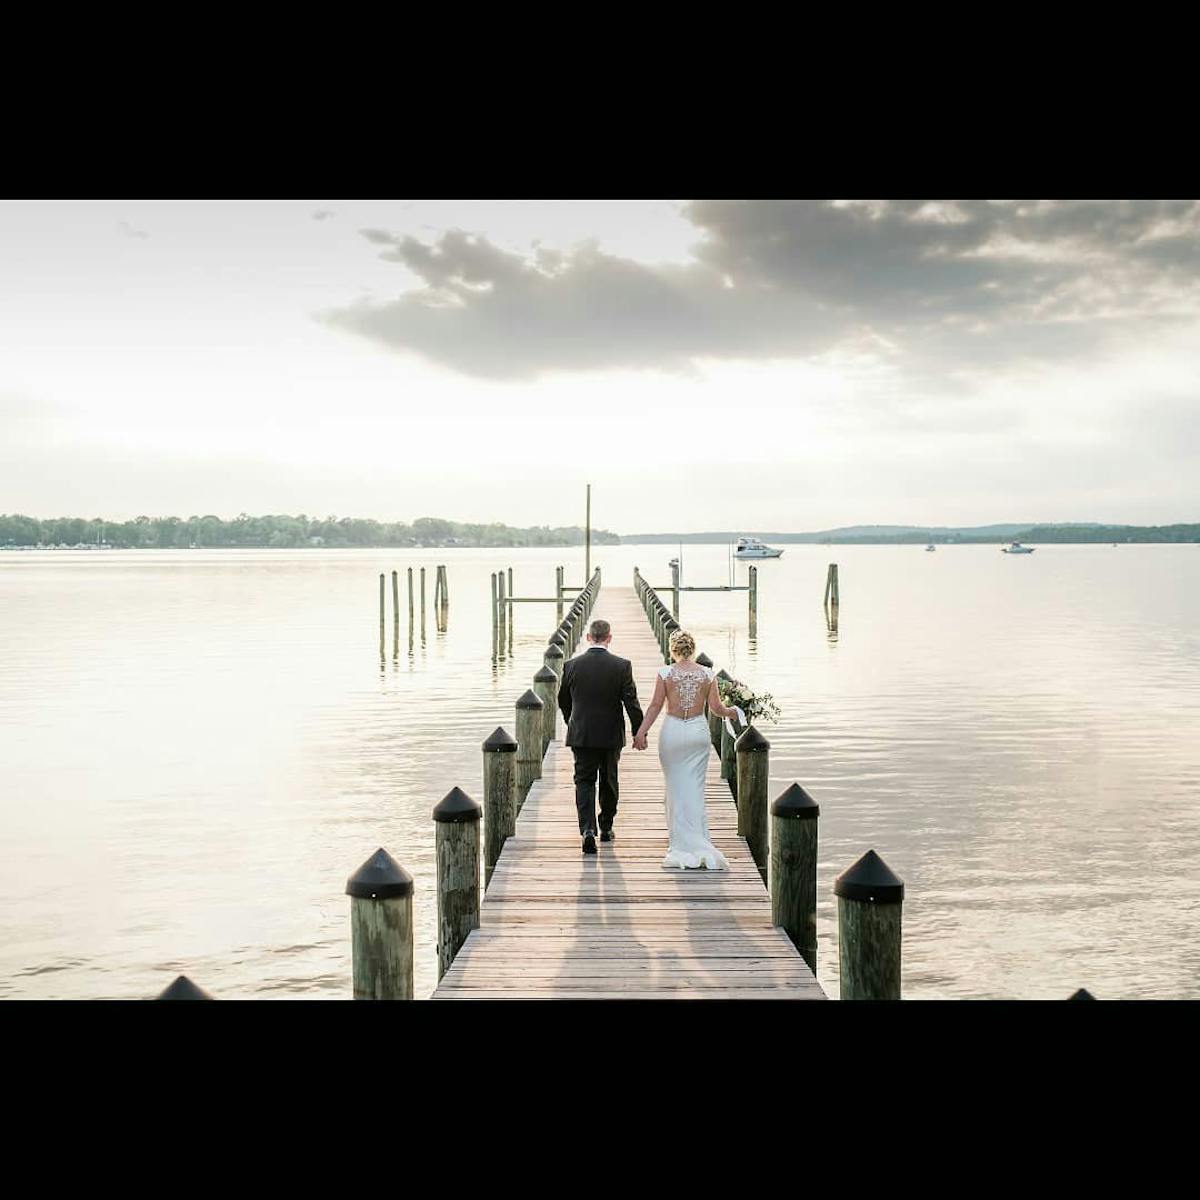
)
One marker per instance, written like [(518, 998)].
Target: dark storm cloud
[(931, 287)]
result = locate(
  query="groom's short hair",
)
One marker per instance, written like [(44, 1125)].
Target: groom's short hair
[(599, 630)]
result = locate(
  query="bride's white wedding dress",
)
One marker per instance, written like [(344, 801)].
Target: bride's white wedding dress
[(683, 750)]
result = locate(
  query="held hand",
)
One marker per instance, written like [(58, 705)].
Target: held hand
[(639, 741)]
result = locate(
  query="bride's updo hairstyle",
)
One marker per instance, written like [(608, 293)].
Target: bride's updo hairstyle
[(682, 644)]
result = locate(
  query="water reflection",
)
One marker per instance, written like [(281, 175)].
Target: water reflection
[(1030, 768)]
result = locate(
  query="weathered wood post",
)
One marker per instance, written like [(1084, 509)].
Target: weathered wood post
[(554, 659), (382, 606), (457, 845), (675, 590), (545, 684), (753, 769), (559, 639), (729, 754), (669, 627), (502, 611), (410, 599), (1079, 994), (422, 601), (184, 989), (558, 592), (831, 586), (793, 878), (753, 594), (870, 899), (395, 614), (714, 722), (495, 617), (529, 744), (381, 929), (499, 796)]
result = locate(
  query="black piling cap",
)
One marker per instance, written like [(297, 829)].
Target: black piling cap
[(557, 639), (455, 807), (183, 989), (795, 804), (545, 675), (724, 674), (530, 700), (381, 877), (501, 742), (703, 660), (554, 650), (671, 624), (1082, 994), (870, 879), (751, 741)]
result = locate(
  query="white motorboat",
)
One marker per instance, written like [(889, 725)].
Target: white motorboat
[(1017, 548), (750, 547), (931, 546)]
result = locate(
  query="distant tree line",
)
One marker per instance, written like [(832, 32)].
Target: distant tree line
[(1044, 533), (280, 531)]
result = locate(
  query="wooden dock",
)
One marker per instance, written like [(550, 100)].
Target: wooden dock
[(556, 924)]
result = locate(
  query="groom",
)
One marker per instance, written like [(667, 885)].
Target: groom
[(594, 687)]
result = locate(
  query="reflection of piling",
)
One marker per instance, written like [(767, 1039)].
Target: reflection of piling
[(381, 929), (870, 899), (793, 872), (457, 819)]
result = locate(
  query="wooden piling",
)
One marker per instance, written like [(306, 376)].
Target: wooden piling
[(395, 614), (545, 684), (870, 900), (753, 753), (558, 592), (502, 611), (381, 929), (422, 602), (495, 618), (793, 875), (382, 606), (675, 590), (410, 599), (499, 796), (831, 586), (529, 744), (753, 594), (184, 989), (554, 659), (456, 816)]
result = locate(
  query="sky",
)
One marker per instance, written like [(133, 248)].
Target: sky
[(732, 365)]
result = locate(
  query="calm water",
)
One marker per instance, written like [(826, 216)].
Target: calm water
[(197, 748)]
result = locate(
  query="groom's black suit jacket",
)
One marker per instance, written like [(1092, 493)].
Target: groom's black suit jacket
[(594, 687)]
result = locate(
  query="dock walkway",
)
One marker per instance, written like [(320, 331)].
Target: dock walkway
[(556, 924)]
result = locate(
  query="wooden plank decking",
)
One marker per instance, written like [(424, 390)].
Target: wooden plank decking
[(556, 924)]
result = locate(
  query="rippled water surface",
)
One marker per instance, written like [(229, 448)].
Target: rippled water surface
[(197, 748)]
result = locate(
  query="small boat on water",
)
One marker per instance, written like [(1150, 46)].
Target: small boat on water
[(931, 546), (1017, 548), (750, 547)]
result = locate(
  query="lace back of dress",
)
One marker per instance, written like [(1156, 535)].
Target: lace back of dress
[(688, 685)]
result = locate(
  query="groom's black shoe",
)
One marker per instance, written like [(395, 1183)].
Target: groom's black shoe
[(606, 835), (589, 843)]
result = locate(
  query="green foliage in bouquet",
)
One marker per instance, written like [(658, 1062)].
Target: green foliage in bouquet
[(753, 704)]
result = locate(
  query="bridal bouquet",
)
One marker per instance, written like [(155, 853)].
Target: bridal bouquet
[(735, 693)]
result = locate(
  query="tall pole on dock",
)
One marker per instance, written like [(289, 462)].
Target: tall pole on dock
[(587, 540)]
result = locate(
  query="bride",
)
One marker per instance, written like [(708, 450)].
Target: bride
[(683, 750)]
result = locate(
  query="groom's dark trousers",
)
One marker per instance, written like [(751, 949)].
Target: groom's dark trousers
[(595, 686)]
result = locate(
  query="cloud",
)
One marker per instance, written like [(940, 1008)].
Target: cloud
[(126, 230), (930, 289), (323, 214)]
